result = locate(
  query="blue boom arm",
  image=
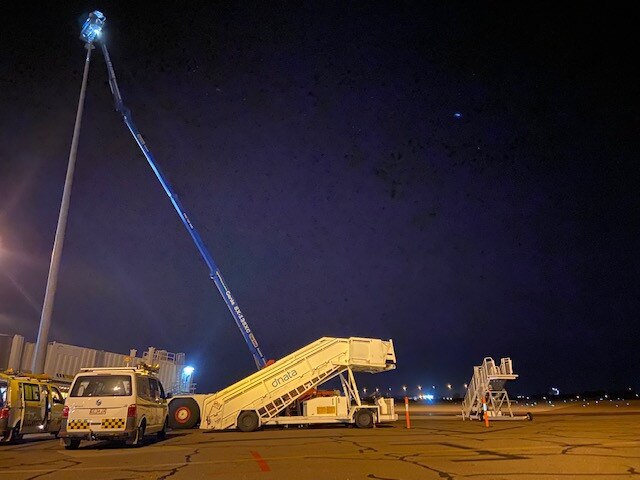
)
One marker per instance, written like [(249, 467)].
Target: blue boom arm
[(214, 271)]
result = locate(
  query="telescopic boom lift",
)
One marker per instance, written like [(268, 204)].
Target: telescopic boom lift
[(91, 32)]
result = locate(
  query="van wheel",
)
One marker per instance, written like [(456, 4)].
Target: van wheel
[(364, 419), (248, 421), (138, 436), (71, 443), (183, 413), (162, 434), (14, 434)]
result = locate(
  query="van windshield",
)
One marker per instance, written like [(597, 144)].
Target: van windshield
[(102, 386)]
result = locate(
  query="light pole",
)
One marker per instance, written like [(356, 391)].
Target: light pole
[(90, 30)]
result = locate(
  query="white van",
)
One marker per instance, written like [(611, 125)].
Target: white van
[(116, 403)]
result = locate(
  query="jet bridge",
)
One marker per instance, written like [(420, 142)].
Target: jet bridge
[(264, 396)]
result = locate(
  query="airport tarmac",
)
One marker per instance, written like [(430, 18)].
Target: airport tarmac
[(575, 442)]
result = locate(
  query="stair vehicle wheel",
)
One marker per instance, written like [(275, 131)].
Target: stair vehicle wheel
[(364, 419), (183, 413), (71, 443), (248, 421)]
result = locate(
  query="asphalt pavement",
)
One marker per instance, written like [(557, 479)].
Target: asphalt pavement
[(574, 446)]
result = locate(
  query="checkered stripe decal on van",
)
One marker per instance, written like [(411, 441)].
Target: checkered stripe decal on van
[(78, 424), (113, 422)]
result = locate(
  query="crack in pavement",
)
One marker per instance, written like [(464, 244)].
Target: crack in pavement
[(42, 463), (569, 448), (258, 439), (500, 455), (165, 473), (404, 458), (603, 455), (187, 461), (536, 474), (345, 458), (187, 458), (172, 472), (363, 448), (72, 463)]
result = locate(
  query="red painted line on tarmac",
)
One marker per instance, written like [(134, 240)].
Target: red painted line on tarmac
[(262, 463)]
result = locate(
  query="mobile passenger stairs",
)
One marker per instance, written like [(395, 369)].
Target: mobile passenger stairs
[(279, 394), (486, 392)]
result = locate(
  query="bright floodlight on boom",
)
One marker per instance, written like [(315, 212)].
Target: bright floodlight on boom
[(92, 26)]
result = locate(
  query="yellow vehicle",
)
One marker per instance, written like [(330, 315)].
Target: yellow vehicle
[(28, 404)]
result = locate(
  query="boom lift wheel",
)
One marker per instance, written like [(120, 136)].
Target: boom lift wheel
[(248, 421), (364, 418)]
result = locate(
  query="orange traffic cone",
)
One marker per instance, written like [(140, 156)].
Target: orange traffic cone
[(485, 412), (406, 411)]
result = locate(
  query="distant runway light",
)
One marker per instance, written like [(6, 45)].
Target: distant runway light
[(457, 115)]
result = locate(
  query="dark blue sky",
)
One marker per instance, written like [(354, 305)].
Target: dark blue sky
[(317, 149)]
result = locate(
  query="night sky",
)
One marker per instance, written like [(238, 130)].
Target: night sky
[(460, 177)]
